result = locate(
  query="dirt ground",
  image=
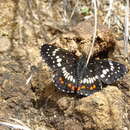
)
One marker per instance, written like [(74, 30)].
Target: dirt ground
[(27, 94)]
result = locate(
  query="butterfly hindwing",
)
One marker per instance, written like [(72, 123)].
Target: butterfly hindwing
[(89, 80), (63, 83)]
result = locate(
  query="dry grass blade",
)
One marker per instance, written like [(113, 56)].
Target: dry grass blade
[(95, 31), (77, 2), (107, 18), (126, 36), (16, 125)]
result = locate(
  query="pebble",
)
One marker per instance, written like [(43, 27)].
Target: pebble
[(5, 44)]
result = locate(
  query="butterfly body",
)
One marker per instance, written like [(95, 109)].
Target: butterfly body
[(72, 75)]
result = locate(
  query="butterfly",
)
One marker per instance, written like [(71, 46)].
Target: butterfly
[(72, 75)]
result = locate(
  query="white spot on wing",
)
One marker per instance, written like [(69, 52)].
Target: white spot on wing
[(102, 75), (59, 60), (85, 80), (59, 64), (54, 52), (71, 78), (63, 68), (89, 81), (91, 71), (102, 66), (108, 75), (57, 57), (107, 70), (81, 81), (68, 77), (104, 71), (96, 77)]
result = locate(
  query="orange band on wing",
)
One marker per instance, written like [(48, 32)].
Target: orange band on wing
[(61, 80)]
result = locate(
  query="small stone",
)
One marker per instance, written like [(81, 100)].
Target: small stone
[(5, 44), (64, 103), (72, 124)]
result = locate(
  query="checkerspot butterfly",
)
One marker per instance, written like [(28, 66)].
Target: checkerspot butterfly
[(71, 74)]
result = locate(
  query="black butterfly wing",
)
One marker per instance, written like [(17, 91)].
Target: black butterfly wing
[(89, 81), (110, 71), (63, 63), (63, 83), (57, 58), (71, 75), (98, 72)]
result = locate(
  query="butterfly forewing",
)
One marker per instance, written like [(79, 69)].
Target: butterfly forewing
[(57, 58), (110, 71)]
